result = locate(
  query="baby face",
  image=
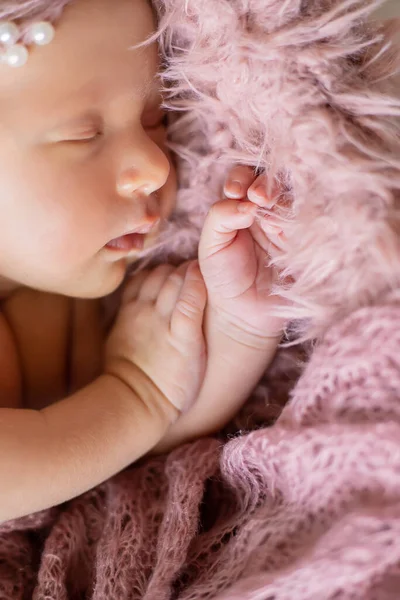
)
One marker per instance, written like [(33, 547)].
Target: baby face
[(85, 175)]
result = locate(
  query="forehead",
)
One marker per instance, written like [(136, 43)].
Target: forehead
[(89, 59)]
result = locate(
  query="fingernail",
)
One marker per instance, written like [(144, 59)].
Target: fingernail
[(261, 193), (236, 190)]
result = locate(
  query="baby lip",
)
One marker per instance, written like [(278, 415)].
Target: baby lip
[(150, 218), (144, 228)]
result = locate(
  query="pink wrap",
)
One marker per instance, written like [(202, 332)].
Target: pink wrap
[(307, 505)]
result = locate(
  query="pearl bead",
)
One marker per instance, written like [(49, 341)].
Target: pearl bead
[(9, 33), (16, 56), (41, 33)]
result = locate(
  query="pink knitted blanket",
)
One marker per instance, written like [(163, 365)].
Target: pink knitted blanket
[(302, 503)]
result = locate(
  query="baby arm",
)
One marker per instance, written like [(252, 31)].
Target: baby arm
[(154, 367), (241, 333)]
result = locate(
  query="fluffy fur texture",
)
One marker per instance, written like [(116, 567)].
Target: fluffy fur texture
[(308, 507), (32, 9), (302, 90)]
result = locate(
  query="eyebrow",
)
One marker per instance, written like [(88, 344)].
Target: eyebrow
[(78, 119), (149, 91)]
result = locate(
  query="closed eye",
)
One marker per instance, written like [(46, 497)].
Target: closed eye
[(86, 138)]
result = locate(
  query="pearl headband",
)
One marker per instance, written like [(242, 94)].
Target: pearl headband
[(15, 53)]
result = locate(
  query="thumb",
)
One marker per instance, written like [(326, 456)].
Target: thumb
[(223, 221)]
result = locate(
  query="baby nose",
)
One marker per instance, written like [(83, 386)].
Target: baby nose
[(143, 173), (132, 185), (146, 205)]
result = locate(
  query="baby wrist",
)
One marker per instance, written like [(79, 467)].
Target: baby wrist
[(144, 390)]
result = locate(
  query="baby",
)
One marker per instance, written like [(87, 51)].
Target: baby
[(86, 179)]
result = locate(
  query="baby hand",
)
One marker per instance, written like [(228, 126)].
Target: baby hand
[(234, 252), (158, 333), (241, 335), (243, 184)]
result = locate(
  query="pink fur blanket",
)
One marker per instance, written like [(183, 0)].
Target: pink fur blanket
[(299, 505)]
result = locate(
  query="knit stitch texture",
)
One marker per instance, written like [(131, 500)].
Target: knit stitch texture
[(306, 509)]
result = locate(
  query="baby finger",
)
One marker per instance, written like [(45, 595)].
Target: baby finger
[(271, 241), (132, 287), (222, 224), (171, 290), (152, 285), (260, 194), (238, 181), (187, 317)]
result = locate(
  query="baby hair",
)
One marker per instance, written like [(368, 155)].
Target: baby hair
[(38, 10)]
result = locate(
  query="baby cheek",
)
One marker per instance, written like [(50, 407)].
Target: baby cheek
[(73, 233), (51, 207), (81, 198), (63, 225)]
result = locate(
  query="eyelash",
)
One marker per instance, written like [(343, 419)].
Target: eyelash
[(83, 140), (92, 138), (99, 134)]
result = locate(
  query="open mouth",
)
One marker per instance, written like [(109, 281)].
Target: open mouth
[(134, 240), (128, 243)]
